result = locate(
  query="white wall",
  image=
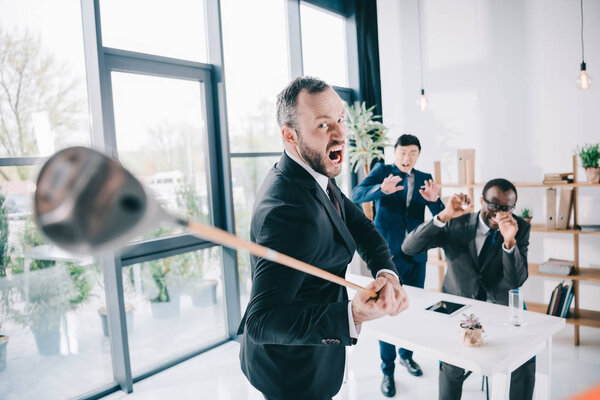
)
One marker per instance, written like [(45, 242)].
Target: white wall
[(500, 78)]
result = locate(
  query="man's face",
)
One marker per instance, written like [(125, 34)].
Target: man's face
[(498, 202), (321, 131), (406, 157)]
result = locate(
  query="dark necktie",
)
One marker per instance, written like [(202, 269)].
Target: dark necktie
[(489, 243), (333, 197)]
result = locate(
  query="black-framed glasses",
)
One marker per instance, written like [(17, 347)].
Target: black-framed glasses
[(497, 207)]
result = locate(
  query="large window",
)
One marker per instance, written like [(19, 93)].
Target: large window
[(183, 94), (49, 300)]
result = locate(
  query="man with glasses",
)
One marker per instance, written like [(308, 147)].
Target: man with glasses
[(486, 253)]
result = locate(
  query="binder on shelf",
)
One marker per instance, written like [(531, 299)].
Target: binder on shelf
[(466, 166), (550, 208), (564, 208), (568, 298), (553, 299), (559, 299)]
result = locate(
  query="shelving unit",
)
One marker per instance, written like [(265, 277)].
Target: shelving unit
[(579, 317)]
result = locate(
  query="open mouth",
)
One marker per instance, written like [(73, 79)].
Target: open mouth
[(405, 165), (336, 155)]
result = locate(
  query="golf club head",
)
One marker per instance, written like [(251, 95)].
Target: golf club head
[(87, 203)]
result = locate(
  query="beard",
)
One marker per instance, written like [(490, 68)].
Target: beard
[(318, 162)]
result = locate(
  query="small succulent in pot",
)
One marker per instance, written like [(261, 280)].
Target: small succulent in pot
[(526, 214), (470, 322)]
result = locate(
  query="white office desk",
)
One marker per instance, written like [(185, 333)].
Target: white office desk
[(505, 347)]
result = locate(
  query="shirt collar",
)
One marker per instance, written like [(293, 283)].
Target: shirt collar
[(321, 179), (482, 228)]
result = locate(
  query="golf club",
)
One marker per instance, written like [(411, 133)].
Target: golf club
[(88, 203)]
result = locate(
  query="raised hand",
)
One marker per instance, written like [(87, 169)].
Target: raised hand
[(388, 186), (508, 228), (458, 205), (431, 192)]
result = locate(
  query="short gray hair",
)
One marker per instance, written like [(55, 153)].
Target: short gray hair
[(286, 99)]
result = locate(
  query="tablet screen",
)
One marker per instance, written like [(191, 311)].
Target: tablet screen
[(446, 307)]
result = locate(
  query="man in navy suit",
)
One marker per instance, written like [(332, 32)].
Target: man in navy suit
[(400, 193)]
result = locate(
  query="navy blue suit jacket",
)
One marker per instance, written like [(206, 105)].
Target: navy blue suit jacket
[(393, 218)]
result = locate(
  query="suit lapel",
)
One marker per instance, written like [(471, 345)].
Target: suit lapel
[(471, 232), (336, 221)]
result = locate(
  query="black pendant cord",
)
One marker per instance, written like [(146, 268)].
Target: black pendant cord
[(582, 48), (420, 48)]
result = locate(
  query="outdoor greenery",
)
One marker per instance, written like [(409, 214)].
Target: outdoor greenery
[(3, 237), (35, 85), (589, 155)]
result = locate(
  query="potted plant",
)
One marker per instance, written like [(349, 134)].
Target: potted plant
[(3, 293), (526, 214), (590, 156), (366, 138), (471, 331), (45, 291)]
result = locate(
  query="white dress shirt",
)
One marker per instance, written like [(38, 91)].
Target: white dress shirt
[(322, 181)]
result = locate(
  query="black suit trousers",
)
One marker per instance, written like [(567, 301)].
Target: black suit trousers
[(522, 381)]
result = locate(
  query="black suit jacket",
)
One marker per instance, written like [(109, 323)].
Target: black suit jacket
[(499, 273), (296, 325)]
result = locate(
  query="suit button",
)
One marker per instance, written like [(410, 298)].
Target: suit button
[(324, 341), (336, 341)]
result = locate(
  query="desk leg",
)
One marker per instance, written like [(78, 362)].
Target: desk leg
[(543, 377), (500, 386)]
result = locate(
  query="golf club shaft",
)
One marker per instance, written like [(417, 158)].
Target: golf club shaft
[(221, 237)]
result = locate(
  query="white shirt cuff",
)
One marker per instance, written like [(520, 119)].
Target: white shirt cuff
[(508, 251), (389, 271), (438, 223), (354, 329)]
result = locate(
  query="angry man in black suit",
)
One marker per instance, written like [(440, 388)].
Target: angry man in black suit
[(296, 325)]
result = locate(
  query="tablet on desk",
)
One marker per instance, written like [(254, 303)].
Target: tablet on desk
[(447, 307)]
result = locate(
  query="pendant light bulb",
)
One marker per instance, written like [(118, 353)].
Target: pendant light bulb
[(423, 103), (584, 80)]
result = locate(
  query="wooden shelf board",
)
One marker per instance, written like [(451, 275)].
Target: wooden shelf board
[(542, 228), (583, 274), (585, 318), (522, 184)]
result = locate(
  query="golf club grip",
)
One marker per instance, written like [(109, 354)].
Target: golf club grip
[(221, 237)]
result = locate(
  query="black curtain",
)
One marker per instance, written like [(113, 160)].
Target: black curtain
[(368, 53)]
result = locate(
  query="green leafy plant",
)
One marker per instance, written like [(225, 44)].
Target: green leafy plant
[(367, 137), (470, 322), (589, 155), (525, 212), (4, 259)]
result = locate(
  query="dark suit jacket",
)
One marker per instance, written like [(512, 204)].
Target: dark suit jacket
[(296, 325), (464, 277), (393, 218)]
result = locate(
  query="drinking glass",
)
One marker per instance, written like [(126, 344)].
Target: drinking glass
[(515, 307)]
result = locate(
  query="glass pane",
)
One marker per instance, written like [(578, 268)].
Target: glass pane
[(50, 326), (173, 28), (161, 131), (43, 106), (178, 304), (255, 74), (324, 45), (248, 175)]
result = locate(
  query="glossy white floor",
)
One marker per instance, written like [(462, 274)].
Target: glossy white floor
[(216, 374)]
